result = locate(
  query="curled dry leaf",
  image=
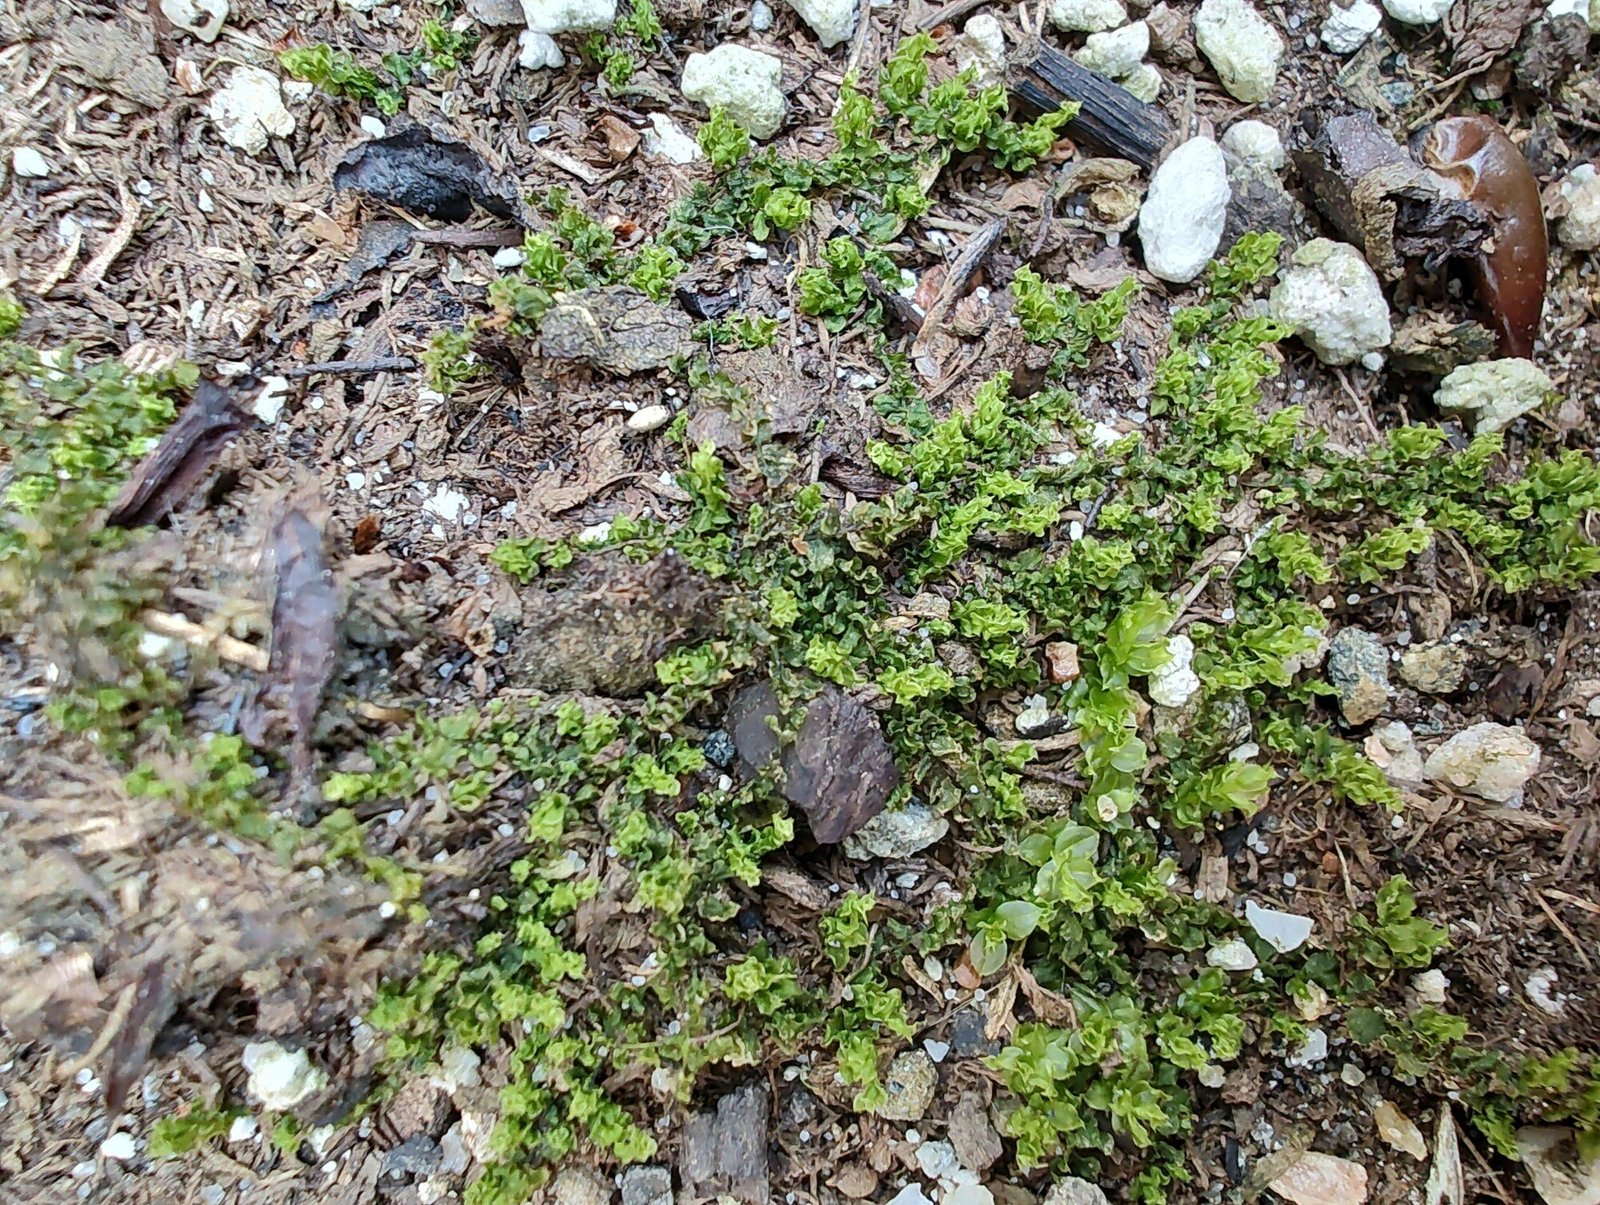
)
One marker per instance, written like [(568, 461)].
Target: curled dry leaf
[(306, 606), (186, 452)]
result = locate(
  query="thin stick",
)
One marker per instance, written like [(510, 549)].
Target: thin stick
[(468, 238), (352, 367), (949, 12), (181, 627), (1538, 898)]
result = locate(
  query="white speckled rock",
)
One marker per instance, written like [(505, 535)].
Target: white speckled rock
[(1347, 29), (666, 140), (1174, 684), (1255, 142), (569, 16), (1334, 302), (1180, 222), (1087, 16), (743, 81), (1488, 760), (29, 163), (1234, 954), (280, 1078), (1242, 45), (538, 50), (982, 47), (833, 21), (1144, 83), (1492, 395), (202, 18), (1580, 229), (1418, 12), (249, 109), (1116, 53)]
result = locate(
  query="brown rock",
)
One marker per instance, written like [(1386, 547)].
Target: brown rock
[(1062, 658)]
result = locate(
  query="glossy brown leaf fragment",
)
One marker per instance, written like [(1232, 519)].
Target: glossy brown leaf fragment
[(1486, 168)]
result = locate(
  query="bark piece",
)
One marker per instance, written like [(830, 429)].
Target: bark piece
[(1382, 200), (839, 769), (188, 449), (1437, 344), (115, 58), (429, 173), (1488, 29), (1111, 119), (617, 329), (1549, 51), (724, 1153), (603, 631)]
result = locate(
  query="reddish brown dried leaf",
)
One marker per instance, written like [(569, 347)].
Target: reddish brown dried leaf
[(305, 631), (164, 478)]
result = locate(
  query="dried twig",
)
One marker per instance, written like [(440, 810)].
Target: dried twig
[(330, 368), (181, 627)]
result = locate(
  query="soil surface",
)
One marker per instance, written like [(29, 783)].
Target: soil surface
[(151, 239)]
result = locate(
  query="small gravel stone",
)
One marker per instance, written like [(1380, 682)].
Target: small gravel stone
[(1580, 229), (1144, 83), (719, 749), (833, 21), (1116, 53), (1181, 220), (1418, 12), (30, 163), (1319, 1179), (982, 48), (1393, 749), (1283, 931), (1087, 16), (1491, 761), (666, 140), (969, 1037), (278, 1077), (538, 51), (1358, 669), (649, 1184), (649, 418), (897, 833), (249, 109), (418, 1155), (744, 81), (1255, 142), (910, 1083), (1073, 1191), (580, 1186), (119, 1147), (569, 16), (1347, 29), (1332, 298), (1492, 395), (1242, 45), (1434, 669), (1234, 954), (1175, 683)]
